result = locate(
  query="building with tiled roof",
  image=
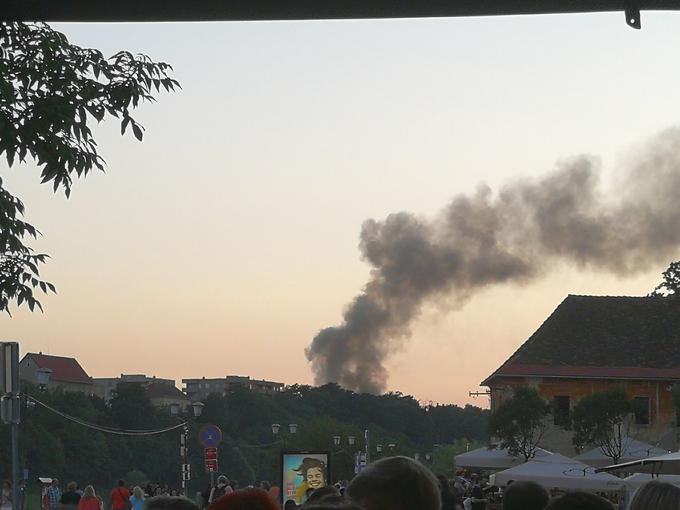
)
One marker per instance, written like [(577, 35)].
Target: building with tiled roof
[(161, 392), (66, 373), (594, 343)]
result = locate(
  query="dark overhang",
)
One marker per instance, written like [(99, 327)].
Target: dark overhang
[(251, 10)]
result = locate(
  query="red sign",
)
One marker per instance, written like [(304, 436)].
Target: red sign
[(210, 454)]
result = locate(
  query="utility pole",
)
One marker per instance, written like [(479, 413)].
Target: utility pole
[(10, 406), (367, 437), (184, 452)]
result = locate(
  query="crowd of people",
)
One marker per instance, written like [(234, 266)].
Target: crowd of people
[(393, 483)]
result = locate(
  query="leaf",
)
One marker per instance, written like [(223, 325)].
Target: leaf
[(137, 130)]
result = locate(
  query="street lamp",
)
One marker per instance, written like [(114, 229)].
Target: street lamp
[(198, 409), (336, 440), (292, 428), (351, 440), (379, 448), (391, 446)]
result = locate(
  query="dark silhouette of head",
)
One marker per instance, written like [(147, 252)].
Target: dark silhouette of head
[(395, 483), (525, 496), (579, 501), (246, 499), (656, 495), (326, 493), (290, 504), (169, 503)]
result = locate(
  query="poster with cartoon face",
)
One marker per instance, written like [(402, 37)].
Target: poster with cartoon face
[(303, 472)]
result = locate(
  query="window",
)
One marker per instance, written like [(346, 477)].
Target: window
[(641, 410), (561, 410)]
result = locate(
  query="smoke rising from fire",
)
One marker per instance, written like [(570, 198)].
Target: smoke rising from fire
[(491, 238)]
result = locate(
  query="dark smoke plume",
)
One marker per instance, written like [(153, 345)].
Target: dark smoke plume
[(512, 236)]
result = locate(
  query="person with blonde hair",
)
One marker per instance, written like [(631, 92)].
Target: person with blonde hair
[(137, 499), (90, 500)]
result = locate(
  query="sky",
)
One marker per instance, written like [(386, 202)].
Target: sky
[(228, 238)]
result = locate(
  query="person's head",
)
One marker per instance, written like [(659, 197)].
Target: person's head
[(222, 481), (395, 483), (579, 501), (169, 503), (313, 471), (138, 492), (246, 499), (264, 485), (71, 486), (89, 492), (55, 482), (121, 483), (290, 504), (525, 496), (326, 493), (656, 495)]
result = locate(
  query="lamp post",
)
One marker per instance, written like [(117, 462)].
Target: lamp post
[(292, 430), (379, 449), (197, 410)]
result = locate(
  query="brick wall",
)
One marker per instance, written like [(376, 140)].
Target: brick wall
[(662, 427)]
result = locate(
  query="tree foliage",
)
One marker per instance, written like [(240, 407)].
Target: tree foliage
[(521, 422), (50, 93), (603, 420), (53, 446), (670, 283)]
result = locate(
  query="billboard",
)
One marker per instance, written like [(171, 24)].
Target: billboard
[(302, 472)]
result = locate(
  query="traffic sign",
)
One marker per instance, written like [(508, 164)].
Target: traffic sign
[(211, 465), (210, 436)]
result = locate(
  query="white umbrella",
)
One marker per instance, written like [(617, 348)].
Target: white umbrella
[(492, 458), (639, 479), (632, 450), (668, 464), (557, 471)]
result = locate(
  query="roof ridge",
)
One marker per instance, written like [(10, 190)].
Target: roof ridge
[(48, 355), (607, 296)]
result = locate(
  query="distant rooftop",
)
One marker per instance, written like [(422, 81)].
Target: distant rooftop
[(63, 369), (603, 336)]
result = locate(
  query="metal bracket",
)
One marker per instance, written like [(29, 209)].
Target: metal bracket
[(633, 18)]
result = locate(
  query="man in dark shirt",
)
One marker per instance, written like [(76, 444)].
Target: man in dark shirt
[(70, 498)]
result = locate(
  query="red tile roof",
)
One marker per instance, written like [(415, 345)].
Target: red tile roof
[(63, 369), (602, 337)]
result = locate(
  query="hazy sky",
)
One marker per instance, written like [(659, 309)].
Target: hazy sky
[(228, 238)]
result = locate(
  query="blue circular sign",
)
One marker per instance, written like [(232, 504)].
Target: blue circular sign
[(210, 436)]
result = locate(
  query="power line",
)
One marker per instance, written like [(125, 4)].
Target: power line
[(103, 428)]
